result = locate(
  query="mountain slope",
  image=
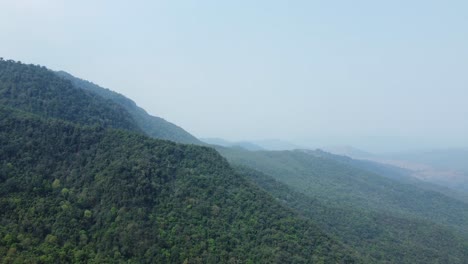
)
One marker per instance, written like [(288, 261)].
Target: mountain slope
[(155, 127), (381, 237), (448, 159), (275, 144), (447, 167), (36, 89), (439, 167), (88, 194), (393, 172), (340, 184), (239, 144)]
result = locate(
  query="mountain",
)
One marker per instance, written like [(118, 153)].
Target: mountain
[(342, 184), (350, 152), (59, 95), (36, 89), (448, 159), (84, 179), (74, 190), (254, 145), (447, 167), (153, 126), (276, 144), (225, 143), (374, 214), (379, 237), (402, 175), (93, 194)]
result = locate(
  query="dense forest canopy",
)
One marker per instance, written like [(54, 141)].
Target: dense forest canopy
[(384, 219), (38, 90), (380, 237)]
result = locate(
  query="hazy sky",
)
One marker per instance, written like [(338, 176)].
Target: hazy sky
[(380, 75)]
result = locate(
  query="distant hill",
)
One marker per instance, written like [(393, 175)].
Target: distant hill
[(447, 167), (376, 215), (350, 152), (254, 145), (379, 237), (225, 143), (403, 175), (153, 126), (276, 144), (337, 183), (449, 159)]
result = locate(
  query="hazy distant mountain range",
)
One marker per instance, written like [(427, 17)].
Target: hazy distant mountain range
[(225, 143), (266, 144), (447, 167)]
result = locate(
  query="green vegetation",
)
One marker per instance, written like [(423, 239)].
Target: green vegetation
[(38, 90), (153, 126), (41, 91), (385, 220), (339, 184), (395, 173), (77, 185), (379, 237), (89, 194)]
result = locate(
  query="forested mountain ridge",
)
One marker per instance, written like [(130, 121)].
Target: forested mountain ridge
[(380, 237), (385, 220), (73, 194), (225, 143), (36, 89), (442, 167), (153, 126), (336, 183), (401, 175), (60, 95)]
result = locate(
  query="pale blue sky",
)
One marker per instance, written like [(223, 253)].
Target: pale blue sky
[(380, 75)]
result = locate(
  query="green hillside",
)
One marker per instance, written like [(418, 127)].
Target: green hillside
[(395, 173), (72, 194), (340, 184), (36, 89), (379, 237), (39, 90), (153, 126)]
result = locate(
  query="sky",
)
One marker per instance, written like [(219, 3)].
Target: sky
[(377, 75)]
